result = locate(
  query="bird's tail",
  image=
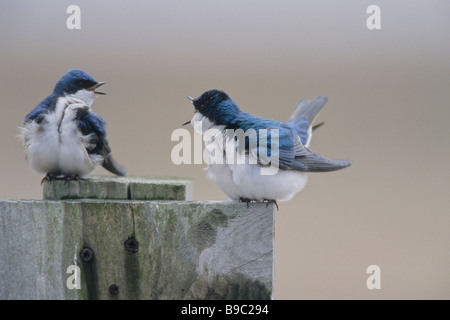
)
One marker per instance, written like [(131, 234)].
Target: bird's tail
[(111, 165), (303, 116)]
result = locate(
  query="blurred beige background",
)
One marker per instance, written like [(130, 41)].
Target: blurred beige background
[(388, 111)]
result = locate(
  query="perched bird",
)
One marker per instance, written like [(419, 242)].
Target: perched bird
[(218, 113), (63, 138)]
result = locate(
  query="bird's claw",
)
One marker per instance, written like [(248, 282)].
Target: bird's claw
[(48, 177), (247, 200), (271, 201), (73, 177)]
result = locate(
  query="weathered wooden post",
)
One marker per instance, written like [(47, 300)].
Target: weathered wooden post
[(134, 238)]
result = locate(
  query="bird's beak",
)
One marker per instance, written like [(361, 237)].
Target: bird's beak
[(192, 101), (95, 86)]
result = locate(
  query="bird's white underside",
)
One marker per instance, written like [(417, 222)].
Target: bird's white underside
[(56, 145), (245, 180)]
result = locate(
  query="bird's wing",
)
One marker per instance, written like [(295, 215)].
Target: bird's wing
[(309, 161), (282, 147), (38, 113), (272, 145), (303, 116), (91, 124)]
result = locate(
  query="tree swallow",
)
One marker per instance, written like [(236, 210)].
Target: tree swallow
[(63, 137), (215, 110)]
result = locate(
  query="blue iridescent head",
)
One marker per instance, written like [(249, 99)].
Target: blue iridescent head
[(216, 105), (74, 81)]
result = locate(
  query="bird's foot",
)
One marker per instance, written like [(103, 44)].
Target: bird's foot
[(48, 177), (247, 200), (72, 177), (271, 201)]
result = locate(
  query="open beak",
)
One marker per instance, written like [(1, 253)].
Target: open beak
[(95, 86), (191, 100)]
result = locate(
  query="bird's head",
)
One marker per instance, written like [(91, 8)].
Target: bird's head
[(216, 105), (79, 84)]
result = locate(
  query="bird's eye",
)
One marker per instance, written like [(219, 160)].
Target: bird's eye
[(84, 83)]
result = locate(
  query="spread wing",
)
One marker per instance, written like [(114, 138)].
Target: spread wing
[(279, 145), (303, 116), (309, 161)]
